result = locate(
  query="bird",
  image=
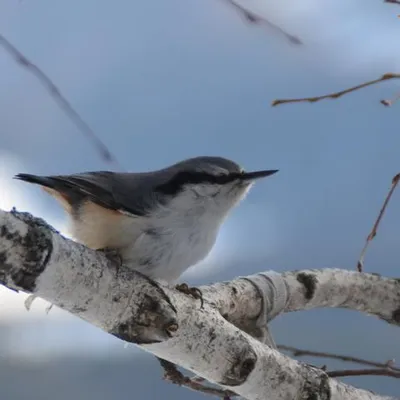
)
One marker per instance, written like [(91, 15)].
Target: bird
[(158, 223)]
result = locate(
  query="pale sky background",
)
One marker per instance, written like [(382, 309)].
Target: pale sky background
[(160, 82)]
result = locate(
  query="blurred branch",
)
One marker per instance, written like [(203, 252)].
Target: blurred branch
[(336, 95), (258, 19), (360, 263), (363, 372), (60, 100), (392, 1), (301, 352)]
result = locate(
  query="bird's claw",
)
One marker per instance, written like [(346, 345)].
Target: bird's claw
[(191, 291)]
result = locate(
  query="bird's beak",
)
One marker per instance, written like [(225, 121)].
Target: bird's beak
[(251, 176)]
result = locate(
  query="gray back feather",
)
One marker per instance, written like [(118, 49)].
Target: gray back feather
[(137, 193)]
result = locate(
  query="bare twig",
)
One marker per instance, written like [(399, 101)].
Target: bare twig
[(255, 18), (173, 375), (336, 95), (360, 263), (60, 100), (392, 1), (301, 352), (363, 372)]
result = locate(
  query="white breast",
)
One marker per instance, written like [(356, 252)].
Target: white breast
[(165, 251), (175, 238)]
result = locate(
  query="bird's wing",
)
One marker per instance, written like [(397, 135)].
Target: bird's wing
[(124, 192)]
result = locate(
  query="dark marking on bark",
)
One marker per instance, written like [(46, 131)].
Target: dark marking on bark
[(77, 309), (213, 335), (122, 331), (170, 328), (137, 334), (396, 316), (38, 248), (309, 281), (148, 305), (234, 291), (199, 325), (312, 396), (325, 389), (147, 325), (241, 368), (5, 267), (112, 255), (152, 232), (318, 388), (6, 234), (24, 280), (126, 333), (246, 367), (145, 261), (158, 288)]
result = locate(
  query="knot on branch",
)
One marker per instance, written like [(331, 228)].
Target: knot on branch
[(151, 319), (21, 269), (241, 367)]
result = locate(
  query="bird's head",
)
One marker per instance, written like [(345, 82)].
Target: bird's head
[(213, 182)]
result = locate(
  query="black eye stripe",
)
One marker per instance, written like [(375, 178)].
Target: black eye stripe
[(176, 183)]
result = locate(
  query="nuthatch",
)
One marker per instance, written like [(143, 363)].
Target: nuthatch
[(159, 223)]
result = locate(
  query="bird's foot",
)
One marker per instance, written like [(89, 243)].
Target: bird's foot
[(191, 291), (113, 255)]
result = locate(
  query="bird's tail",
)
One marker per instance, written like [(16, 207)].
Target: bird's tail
[(39, 180), (51, 186)]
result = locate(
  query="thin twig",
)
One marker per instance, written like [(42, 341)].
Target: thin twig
[(336, 95), (392, 1), (360, 263), (255, 18), (173, 375), (63, 103), (363, 372), (301, 352)]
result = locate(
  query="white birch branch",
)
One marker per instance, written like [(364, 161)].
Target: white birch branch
[(36, 259), (239, 300)]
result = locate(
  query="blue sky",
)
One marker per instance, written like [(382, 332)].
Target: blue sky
[(166, 81)]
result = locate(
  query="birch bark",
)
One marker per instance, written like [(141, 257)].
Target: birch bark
[(210, 341)]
